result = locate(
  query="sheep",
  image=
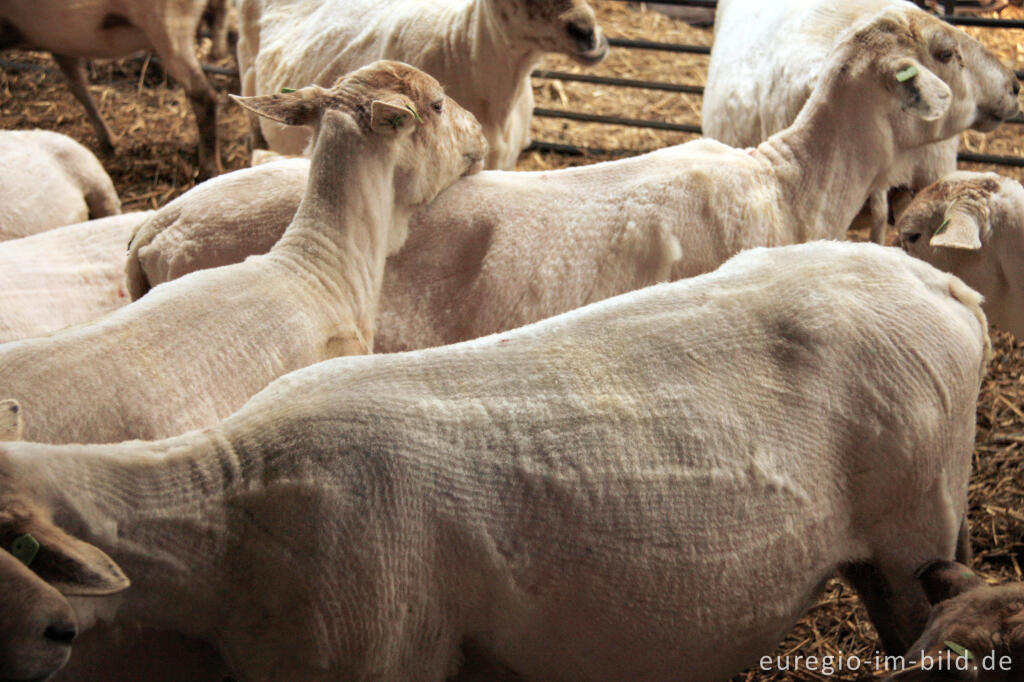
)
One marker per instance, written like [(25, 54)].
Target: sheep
[(64, 276), (655, 483), (217, 222), (972, 225), (501, 249), (968, 613), (767, 57), (191, 353), (117, 28), (482, 51), (49, 181)]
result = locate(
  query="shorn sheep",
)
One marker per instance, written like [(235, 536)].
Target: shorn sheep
[(88, 29), (482, 51), (64, 276), (388, 140), (656, 484), (768, 56), (502, 249), (972, 225), (49, 180)]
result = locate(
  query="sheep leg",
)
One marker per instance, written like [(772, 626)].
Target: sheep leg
[(178, 53), (876, 595), (878, 205), (218, 13), (963, 543), (73, 69)]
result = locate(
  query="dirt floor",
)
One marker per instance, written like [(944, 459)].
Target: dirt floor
[(156, 161)]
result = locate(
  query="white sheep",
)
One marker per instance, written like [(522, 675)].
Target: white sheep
[(972, 225), (482, 51), (117, 28), (217, 222), (658, 482), (768, 56), (191, 353), (64, 276), (49, 180), (501, 249)]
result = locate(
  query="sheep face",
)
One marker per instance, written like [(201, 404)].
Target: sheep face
[(968, 614), (39, 565), (972, 225), (982, 92), (434, 139), (567, 26)]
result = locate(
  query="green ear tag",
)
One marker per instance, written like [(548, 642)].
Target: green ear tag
[(414, 113), (906, 74), (285, 91), (24, 548), (942, 228), (958, 650)]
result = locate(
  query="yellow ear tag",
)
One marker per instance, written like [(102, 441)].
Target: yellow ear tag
[(958, 649), (24, 548), (906, 74), (286, 91), (414, 113)]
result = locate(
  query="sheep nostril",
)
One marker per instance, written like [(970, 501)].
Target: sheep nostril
[(582, 34), (62, 633), (1016, 87)]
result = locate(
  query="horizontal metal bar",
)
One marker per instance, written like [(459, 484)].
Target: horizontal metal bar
[(988, 22), (684, 3), (26, 66), (619, 82), (997, 159), (664, 47), (573, 150), (616, 120)]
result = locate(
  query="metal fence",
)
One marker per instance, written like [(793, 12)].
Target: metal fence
[(948, 13)]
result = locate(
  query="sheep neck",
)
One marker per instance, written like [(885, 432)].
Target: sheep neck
[(156, 509), (507, 61), (338, 239), (827, 163)]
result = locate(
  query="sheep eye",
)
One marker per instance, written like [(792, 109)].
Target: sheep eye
[(945, 56), (912, 237), (437, 106)]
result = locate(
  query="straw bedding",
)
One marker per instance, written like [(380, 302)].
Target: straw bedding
[(156, 162)]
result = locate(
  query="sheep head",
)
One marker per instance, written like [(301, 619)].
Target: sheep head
[(396, 104), (944, 81), (566, 26), (39, 566), (979, 624), (972, 225)]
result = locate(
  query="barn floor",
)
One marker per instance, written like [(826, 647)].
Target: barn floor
[(156, 162)]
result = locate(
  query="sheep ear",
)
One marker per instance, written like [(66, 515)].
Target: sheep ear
[(76, 568), (921, 92), (10, 420), (393, 115), (291, 107), (959, 230), (944, 580)]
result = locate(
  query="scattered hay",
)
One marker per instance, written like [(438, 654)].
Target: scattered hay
[(156, 161)]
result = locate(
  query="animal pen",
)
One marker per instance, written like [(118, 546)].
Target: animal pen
[(646, 95)]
